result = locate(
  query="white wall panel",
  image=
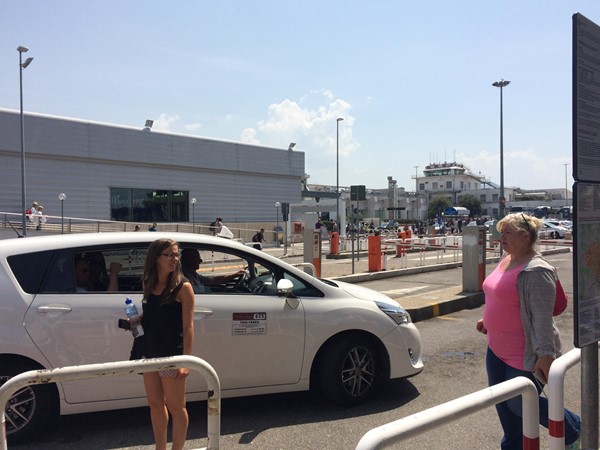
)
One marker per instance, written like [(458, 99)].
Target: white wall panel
[(236, 181)]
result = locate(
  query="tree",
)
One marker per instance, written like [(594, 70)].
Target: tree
[(437, 206), (472, 203)]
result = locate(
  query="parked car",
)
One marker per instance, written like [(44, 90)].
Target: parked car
[(552, 230), (304, 332)]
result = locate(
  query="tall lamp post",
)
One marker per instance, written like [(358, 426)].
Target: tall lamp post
[(193, 214), (566, 189), (62, 197), (416, 192), (337, 171), (23, 65), (277, 205), (501, 84)]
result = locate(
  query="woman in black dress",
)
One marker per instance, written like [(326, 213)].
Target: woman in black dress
[(168, 321)]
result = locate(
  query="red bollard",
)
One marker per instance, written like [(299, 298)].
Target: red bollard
[(374, 253), (334, 247)]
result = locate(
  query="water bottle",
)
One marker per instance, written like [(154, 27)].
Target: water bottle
[(134, 318)]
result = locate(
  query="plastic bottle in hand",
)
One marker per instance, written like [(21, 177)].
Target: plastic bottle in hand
[(134, 318)]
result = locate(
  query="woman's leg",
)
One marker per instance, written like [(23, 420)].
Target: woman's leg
[(498, 372), (158, 411), (175, 399)]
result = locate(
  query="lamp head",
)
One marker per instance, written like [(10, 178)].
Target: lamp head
[(193, 200), (26, 63), (502, 83), (62, 196), (339, 119), (292, 145), (22, 49)]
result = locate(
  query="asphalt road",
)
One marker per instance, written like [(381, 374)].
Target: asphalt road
[(454, 366)]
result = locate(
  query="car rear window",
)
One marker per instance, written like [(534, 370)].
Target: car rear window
[(29, 269)]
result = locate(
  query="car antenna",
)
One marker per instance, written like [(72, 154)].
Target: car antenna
[(16, 231)]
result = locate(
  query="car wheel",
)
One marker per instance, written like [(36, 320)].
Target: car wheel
[(350, 371), (30, 409)]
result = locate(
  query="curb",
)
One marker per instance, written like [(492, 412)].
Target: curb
[(467, 301)]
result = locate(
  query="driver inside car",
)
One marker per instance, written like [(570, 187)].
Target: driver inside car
[(190, 263)]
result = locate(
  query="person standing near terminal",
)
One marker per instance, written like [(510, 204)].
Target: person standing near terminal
[(168, 322), (522, 338)]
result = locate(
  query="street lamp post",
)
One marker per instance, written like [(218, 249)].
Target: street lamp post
[(501, 84), (416, 192), (62, 197), (337, 171), (566, 189), (23, 65), (193, 214), (277, 205)]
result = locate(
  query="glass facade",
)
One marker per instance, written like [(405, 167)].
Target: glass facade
[(149, 205)]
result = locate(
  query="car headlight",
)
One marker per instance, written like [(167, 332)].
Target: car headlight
[(396, 313)]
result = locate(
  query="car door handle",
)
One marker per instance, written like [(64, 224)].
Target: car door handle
[(202, 312), (53, 309)]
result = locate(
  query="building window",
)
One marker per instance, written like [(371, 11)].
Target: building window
[(149, 205), (421, 186), (448, 184), (494, 197), (482, 197), (434, 186)]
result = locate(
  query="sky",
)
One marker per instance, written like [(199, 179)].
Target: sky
[(412, 80)]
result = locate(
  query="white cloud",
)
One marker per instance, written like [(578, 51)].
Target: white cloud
[(310, 122), (249, 136), (165, 121)]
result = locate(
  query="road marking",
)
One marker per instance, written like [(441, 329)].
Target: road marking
[(403, 291)]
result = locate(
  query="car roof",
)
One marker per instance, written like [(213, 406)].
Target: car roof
[(52, 242)]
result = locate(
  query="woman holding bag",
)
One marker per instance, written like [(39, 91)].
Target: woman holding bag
[(522, 338)]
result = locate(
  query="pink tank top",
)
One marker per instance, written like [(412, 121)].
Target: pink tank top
[(502, 316)]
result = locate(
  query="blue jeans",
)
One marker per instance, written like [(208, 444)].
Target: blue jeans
[(510, 411)]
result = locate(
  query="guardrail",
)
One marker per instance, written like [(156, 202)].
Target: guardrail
[(418, 423), (88, 371)]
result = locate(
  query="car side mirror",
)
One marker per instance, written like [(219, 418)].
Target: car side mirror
[(285, 288)]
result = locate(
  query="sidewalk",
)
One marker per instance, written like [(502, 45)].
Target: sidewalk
[(421, 306)]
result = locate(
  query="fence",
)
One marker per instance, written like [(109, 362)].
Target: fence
[(410, 426), (88, 371)]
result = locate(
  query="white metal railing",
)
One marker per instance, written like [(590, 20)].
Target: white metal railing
[(109, 369), (556, 397), (393, 432)]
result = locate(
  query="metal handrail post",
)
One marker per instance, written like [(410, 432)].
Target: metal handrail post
[(393, 432), (88, 371)]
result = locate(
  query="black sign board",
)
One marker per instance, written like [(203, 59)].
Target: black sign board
[(358, 193)]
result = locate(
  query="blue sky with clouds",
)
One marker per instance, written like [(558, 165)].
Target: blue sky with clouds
[(412, 80)]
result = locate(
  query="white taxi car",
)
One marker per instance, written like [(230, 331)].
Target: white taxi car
[(306, 332)]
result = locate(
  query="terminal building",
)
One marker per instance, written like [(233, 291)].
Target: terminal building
[(138, 175)]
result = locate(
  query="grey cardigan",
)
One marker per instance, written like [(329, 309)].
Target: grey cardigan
[(536, 285)]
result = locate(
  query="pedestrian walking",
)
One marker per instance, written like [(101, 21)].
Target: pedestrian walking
[(522, 337)]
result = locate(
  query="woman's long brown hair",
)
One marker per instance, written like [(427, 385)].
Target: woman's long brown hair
[(150, 277)]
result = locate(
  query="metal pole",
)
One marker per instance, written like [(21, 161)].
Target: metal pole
[(337, 173), (501, 84), (501, 210), (277, 220), (62, 217), (23, 207), (416, 193), (566, 189), (589, 396)]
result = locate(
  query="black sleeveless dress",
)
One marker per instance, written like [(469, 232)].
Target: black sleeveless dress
[(163, 328)]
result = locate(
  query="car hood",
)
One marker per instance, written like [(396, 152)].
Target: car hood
[(364, 293)]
